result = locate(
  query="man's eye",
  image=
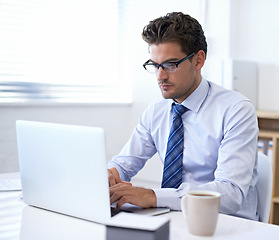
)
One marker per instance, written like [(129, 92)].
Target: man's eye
[(169, 65)]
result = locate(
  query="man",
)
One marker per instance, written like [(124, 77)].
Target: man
[(219, 128)]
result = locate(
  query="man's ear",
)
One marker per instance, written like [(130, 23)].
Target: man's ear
[(199, 59)]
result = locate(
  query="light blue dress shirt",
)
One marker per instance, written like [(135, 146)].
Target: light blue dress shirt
[(220, 148)]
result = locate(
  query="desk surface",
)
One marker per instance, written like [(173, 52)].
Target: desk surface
[(18, 221)]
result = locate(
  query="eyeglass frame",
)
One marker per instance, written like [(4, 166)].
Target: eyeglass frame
[(157, 66)]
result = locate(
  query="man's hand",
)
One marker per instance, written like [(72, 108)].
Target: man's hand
[(126, 193), (113, 176)]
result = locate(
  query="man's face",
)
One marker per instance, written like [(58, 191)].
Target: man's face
[(180, 84)]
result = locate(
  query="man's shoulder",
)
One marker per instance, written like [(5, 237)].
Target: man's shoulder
[(157, 108), (229, 102), (224, 95), (160, 104)]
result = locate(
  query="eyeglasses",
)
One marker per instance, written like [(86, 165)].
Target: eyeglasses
[(169, 67)]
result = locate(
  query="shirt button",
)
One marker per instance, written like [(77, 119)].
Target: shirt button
[(183, 172)]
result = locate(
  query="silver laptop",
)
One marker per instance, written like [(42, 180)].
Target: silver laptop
[(63, 169)]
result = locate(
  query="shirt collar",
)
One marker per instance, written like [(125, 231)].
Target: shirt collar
[(195, 100)]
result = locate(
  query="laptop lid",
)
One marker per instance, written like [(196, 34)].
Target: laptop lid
[(63, 169)]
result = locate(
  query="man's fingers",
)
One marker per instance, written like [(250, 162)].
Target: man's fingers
[(126, 193), (113, 176), (117, 191), (122, 201), (126, 182), (111, 180), (121, 198)]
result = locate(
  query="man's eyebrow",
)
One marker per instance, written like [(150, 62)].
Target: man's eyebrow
[(168, 60), (172, 60)]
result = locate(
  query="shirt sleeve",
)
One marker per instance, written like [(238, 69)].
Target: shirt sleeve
[(234, 176), (231, 195), (137, 151)]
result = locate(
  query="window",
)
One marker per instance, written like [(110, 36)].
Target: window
[(62, 51)]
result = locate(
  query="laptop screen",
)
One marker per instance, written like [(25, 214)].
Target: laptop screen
[(63, 169)]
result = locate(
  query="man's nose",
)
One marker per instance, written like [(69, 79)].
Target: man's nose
[(161, 74)]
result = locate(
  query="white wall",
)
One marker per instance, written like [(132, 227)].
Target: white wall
[(250, 33), (255, 35), (245, 30)]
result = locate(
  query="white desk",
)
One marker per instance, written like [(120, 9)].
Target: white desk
[(18, 221)]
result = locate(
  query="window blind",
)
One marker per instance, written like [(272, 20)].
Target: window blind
[(62, 51)]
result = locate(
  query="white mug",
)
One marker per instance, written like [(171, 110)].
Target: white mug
[(201, 210)]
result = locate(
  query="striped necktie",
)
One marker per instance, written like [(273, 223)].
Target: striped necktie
[(172, 175)]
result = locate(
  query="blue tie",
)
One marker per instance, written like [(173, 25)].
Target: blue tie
[(172, 175)]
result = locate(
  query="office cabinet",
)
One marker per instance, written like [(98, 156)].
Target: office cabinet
[(241, 76)]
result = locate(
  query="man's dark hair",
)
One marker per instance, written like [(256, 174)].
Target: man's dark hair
[(176, 27)]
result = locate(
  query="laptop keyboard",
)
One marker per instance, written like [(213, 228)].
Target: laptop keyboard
[(114, 211)]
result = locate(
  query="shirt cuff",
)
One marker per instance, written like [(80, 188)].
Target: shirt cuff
[(119, 169), (168, 197)]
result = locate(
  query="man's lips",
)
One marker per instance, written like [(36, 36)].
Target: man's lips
[(165, 85)]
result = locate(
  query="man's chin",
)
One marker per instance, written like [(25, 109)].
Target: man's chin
[(167, 95)]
